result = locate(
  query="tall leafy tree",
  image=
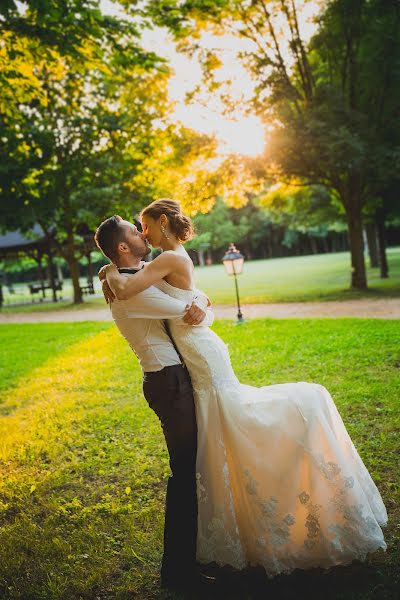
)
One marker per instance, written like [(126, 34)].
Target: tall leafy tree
[(307, 210), (324, 99), (187, 166), (74, 150), (218, 228)]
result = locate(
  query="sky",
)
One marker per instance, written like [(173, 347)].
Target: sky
[(242, 134)]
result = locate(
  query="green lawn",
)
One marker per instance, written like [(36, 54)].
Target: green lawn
[(293, 279), (297, 279), (84, 464), (22, 350)]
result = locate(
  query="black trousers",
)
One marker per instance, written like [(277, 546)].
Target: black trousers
[(169, 393)]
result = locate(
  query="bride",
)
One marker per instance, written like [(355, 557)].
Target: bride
[(279, 481)]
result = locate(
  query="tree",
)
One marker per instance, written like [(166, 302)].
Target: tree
[(34, 32), (306, 210), (381, 59), (192, 172), (373, 84), (218, 228), (75, 152), (323, 112)]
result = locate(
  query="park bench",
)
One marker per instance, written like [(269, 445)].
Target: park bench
[(87, 289), (35, 288)]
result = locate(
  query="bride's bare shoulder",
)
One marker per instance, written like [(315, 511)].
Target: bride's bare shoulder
[(179, 257), (167, 256)]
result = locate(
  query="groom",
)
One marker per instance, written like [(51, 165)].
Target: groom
[(142, 320)]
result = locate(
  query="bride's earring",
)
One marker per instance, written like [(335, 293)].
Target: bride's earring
[(163, 232)]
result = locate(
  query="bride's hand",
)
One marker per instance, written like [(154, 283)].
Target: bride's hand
[(194, 315)]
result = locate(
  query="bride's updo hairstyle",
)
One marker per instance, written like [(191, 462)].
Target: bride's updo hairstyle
[(179, 224)]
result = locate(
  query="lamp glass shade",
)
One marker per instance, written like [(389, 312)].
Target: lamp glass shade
[(233, 261)]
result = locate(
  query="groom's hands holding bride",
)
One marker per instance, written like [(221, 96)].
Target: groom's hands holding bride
[(194, 314), (107, 291)]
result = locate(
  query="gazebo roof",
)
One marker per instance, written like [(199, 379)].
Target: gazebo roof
[(16, 243), (13, 240)]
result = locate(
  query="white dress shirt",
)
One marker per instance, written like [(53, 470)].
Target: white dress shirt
[(140, 321)]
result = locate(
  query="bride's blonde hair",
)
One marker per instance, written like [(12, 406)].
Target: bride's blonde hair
[(180, 224)]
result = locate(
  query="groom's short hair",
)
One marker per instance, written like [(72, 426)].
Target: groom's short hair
[(108, 235)]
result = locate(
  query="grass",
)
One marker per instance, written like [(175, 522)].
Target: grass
[(84, 463), (297, 279), (22, 350), (294, 279)]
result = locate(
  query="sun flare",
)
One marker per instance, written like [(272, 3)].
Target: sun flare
[(246, 136)]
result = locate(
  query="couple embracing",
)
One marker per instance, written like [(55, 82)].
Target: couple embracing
[(260, 476)]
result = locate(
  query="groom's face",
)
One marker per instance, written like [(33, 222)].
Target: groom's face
[(134, 241)]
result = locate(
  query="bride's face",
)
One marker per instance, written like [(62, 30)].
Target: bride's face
[(152, 230)]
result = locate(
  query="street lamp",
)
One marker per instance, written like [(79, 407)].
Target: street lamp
[(233, 263)]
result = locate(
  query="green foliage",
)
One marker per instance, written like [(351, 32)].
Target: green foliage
[(333, 104), (83, 501), (191, 172), (218, 227), (84, 130), (84, 125), (63, 26), (305, 209), (249, 226), (85, 147)]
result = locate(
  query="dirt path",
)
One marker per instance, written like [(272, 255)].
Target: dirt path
[(378, 309)]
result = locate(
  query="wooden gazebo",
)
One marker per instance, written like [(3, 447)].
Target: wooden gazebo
[(36, 245)]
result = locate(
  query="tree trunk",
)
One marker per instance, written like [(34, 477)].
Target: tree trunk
[(41, 276), (59, 273), (380, 226), (73, 265), (200, 254), (356, 243), (90, 271), (74, 271), (50, 270), (69, 254), (370, 234), (314, 245), (269, 250)]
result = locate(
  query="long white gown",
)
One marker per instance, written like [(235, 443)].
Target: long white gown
[(280, 483)]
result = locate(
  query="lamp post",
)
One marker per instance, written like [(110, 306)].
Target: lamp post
[(233, 263)]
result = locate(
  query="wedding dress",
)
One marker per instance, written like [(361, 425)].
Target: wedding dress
[(279, 481)]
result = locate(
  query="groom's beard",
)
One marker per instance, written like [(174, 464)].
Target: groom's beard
[(136, 252)]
